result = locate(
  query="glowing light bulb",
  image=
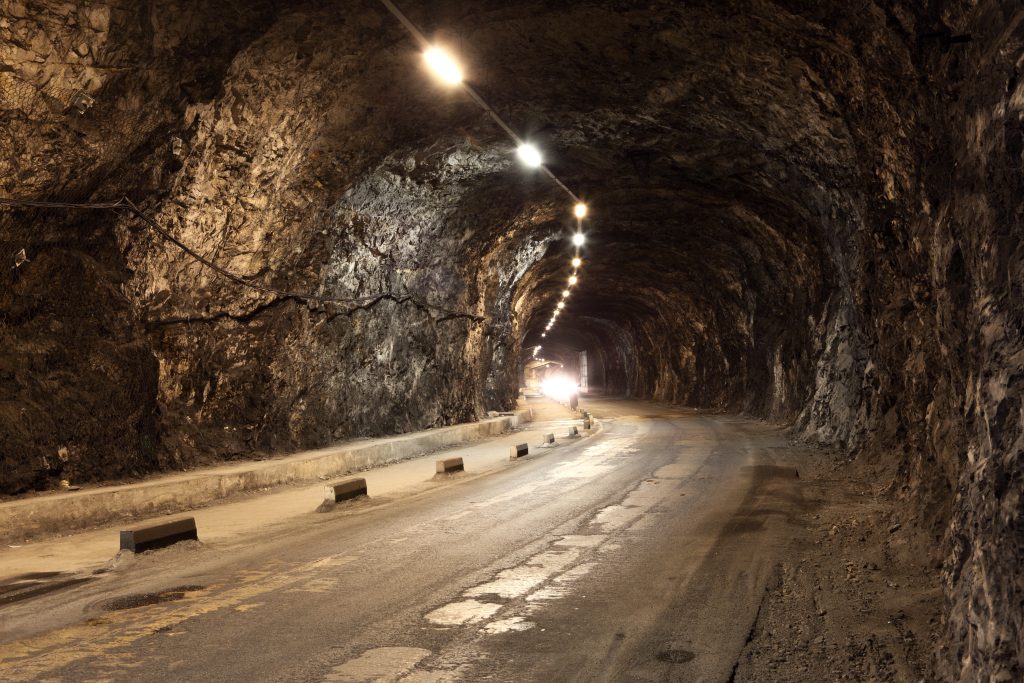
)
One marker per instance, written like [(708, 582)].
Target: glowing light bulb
[(573, 279), (565, 293), (578, 239), (543, 334), (561, 304), (577, 262), (580, 210), (530, 155), (443, 65)]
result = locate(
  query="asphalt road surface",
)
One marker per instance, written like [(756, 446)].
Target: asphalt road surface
[(640, 554)]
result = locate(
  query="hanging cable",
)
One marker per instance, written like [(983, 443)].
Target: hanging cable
[(126, 205)]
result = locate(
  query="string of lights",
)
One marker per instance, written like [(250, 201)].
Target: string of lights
[(448, 70)]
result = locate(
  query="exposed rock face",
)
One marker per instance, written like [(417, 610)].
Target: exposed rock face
[(807, 211)]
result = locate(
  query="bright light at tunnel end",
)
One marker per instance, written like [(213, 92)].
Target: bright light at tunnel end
[(443, 65), (558, 387)]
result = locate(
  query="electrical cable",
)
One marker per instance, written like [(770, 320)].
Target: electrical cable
[(125, 204)]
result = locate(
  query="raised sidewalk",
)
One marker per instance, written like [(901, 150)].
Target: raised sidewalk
[(63, 512)]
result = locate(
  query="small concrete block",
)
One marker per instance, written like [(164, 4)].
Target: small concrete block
[(450, 466), (159, 535), (549, 438), (573, 432), (346, 489), (587, 424), (519, 451)]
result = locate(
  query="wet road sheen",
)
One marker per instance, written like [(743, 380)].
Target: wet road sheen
[(641, 554)]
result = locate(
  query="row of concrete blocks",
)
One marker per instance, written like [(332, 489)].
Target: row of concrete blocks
[(162, 535)]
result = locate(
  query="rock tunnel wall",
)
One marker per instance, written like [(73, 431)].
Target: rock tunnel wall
[(806, 211), (124, 354)]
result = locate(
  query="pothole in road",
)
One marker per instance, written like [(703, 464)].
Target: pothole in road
[(676, 656), (144, 599)]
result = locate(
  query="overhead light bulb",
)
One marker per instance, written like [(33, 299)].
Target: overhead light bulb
[(443, 65), (578, 239), (561, 304), (530, 155), (577, 262), (543, 334), (580, 210), (573, 279), (565, 293)]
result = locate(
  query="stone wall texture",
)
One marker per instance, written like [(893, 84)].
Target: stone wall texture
[(808, 211)]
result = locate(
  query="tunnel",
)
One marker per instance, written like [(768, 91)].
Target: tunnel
[(235, 230)]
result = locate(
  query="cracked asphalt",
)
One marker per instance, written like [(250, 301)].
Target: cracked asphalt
[(641, 554)]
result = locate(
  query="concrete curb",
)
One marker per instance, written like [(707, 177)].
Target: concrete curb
[(346, 489), (450, 466), (159, 535), (63, 512)]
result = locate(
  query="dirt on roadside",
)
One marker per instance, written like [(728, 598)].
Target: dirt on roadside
[(860, 599)]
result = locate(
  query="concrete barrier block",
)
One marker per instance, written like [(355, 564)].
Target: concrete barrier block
[(573, 432), (587, 424), (519, 451), (450, 466), (159, 535), (549, 438), (346, 489)]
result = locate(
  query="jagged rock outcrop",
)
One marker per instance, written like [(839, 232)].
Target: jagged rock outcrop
[(807, 211)]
